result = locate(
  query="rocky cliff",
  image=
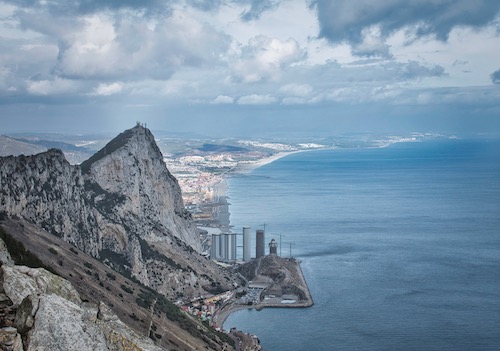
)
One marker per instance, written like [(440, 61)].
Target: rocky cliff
[(42, 311), (122, 206)]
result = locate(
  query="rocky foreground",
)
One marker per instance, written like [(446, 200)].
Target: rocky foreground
[(42, 311)]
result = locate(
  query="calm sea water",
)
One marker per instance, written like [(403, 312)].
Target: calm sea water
[(400, 246)]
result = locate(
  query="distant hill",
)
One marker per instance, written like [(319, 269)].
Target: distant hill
[(15, 147), (221, 148), (11, 146)]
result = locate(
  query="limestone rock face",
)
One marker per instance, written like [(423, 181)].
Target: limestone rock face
[(5, 257), (122, 205), (21, 281), (51, 316), (46, 190), (132, 165)]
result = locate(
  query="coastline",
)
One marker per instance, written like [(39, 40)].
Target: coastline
[(247, 167), (269, 268), (223, 314), (221, 186)]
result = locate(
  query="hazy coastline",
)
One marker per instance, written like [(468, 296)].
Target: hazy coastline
[(247, 167)]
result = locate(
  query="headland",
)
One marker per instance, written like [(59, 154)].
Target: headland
[(271, 281)]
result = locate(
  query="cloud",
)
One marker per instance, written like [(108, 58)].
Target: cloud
[(372, 44), (345, 20), (369, 73), (256, 99), (415, 70), (298, 90), (112, 46), (257, 7), (495, 77), (223, 99), (57, 86), (109, 89), (84, 7), (205, 5), (264, 58)]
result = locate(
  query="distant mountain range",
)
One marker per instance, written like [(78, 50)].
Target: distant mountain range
[(20, 146)]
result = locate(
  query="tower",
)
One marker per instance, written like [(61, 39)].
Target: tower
[(260, 243), (246, 244), (273, 247)]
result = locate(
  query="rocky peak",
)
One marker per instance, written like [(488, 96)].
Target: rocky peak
[(132, 165), (134, 138)]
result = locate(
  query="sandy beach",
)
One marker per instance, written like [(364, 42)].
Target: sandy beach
[(247, 167), (222, 314)]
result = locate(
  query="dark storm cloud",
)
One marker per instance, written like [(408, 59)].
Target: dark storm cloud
[(495, 77), (345, 20)]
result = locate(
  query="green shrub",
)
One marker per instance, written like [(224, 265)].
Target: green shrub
[(126, 289)]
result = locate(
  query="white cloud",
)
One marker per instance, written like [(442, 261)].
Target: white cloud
[(372, 44), (57, 86), (296, 89), (256, 99), (92, 51), (131, 47), (264, 58), (223, 99), (109, 89)]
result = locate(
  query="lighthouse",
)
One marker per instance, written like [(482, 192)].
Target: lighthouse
[(273, 247)]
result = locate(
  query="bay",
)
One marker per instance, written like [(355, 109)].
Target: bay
[(400, 246)]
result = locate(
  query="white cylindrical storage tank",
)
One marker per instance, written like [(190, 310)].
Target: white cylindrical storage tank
[(223, 247), (215, 249), (246, 244), (230, 246)]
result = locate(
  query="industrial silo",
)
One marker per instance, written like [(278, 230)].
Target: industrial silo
[(230, 247), (215, 250), (246, 244), (260, 243)]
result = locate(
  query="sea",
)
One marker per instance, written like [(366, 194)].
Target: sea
[(400, 246)]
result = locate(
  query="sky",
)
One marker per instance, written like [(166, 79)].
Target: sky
[(250, 67)]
